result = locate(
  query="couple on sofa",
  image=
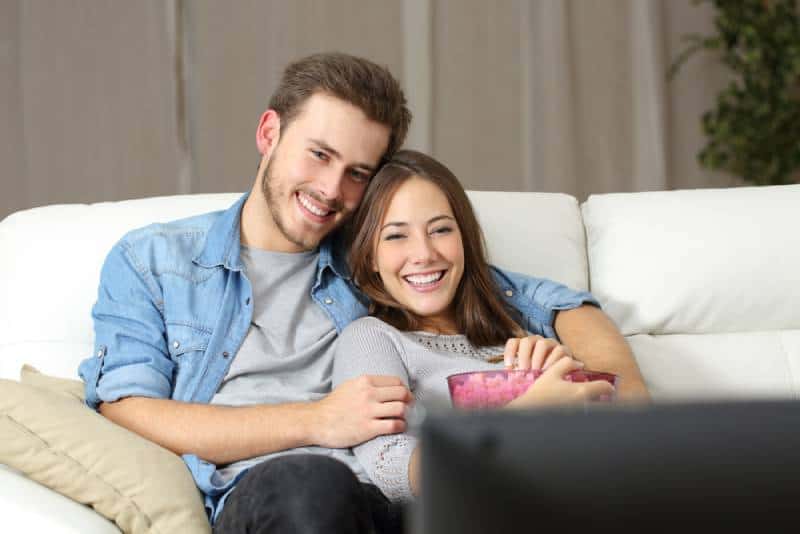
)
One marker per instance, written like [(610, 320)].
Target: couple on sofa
[(278, 344)]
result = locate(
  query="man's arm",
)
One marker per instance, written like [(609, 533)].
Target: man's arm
[(356, 411), (595, 340)]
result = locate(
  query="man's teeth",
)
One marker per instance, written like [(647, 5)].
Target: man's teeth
[(424, 278), (311, 207)]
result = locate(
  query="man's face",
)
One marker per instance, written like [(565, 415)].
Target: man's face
[(316, 175)]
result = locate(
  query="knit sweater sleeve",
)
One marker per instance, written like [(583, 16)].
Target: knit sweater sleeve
[(369, 346)]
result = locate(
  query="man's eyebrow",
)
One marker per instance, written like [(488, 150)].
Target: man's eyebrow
[(335, 153), (431, 221)]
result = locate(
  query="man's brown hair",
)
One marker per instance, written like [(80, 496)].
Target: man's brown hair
[(480, 313), (358, 81)]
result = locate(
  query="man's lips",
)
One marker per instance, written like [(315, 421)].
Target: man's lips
[(314, 209)]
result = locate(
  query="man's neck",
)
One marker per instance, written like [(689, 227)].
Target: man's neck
[(258, 228)]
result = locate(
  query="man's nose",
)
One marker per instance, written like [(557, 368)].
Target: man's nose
[(329, 184)]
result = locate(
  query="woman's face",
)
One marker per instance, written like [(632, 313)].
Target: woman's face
[(419, 255)]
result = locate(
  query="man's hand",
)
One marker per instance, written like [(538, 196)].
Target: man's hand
[(359, 410)]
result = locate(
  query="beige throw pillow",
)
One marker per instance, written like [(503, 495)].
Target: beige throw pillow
[(53, 438)]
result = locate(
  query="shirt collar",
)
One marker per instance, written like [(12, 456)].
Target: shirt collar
[(223, 245), (332, 253)]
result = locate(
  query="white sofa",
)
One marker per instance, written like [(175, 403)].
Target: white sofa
[(704, 284)]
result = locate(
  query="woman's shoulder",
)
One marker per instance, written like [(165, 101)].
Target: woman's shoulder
[(369, 326)]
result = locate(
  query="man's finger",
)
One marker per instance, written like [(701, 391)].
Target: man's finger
[(393, 409), (384, 380), (382, 427), (393, 393)]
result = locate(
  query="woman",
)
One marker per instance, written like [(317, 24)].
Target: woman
[(417, 252)]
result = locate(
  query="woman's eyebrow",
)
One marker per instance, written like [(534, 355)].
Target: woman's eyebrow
[(430, 221), (439, 218), (394, 224)]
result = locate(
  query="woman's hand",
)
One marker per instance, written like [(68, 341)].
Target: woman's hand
[(533, 352), (552, 388)]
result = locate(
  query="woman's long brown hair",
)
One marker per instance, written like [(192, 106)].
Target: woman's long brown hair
[(481, 314)]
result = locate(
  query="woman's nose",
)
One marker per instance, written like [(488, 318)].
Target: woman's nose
[(423, 250)]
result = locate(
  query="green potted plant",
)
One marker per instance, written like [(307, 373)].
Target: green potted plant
[(754, 130)]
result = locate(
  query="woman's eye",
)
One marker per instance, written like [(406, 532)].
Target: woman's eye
[(443, 230), (392, 237), (320, 155)]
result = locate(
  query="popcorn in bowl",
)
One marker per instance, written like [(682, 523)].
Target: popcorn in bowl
[(493, 389)]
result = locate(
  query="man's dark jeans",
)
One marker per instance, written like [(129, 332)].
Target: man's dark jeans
[(309, 494)]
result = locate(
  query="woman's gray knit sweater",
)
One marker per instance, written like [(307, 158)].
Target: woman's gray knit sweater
[(423, 362)]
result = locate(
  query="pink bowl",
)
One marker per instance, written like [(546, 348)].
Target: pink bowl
[(492, 389)]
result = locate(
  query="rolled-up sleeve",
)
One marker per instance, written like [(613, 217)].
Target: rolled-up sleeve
[(130, 353), (538, 299)]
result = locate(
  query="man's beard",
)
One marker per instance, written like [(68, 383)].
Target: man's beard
[(273, 193)]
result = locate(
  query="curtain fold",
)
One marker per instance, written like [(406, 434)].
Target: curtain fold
[(114, 100)]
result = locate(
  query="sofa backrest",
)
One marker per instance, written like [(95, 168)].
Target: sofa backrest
[(705, 284), (51, 259)]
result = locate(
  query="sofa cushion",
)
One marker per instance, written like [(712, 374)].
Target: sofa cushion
[(692, 262), (53, 438), (753, 365)]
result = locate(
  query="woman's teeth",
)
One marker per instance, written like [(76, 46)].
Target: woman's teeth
[(422, 279), (311, 207)]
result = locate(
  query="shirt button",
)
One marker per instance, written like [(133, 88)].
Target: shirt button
[(328, 300), (100, 353), (176, 344), (509, 293), (247, 302), (225, 354)]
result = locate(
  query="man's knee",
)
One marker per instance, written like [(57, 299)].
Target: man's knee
[(310, 493)]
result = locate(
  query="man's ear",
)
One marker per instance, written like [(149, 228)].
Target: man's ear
[(268, 132)]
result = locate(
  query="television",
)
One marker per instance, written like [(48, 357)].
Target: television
[(612, 468)]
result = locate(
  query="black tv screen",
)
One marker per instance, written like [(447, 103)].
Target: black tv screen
[(676, 467)]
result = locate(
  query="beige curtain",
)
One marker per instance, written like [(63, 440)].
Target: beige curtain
[(570, 95), (113, 100)]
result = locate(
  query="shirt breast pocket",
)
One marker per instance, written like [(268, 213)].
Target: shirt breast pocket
[(186, 344)]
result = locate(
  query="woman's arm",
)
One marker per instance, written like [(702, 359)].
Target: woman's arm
[(367, 347)]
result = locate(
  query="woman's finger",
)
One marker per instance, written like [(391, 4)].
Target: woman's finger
[(510, 353), (526, 347), (542, 350), (556, 354)]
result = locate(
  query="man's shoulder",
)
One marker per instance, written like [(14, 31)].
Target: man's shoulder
[(180, 239)]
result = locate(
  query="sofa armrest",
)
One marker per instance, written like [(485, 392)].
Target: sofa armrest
[(27, 506)]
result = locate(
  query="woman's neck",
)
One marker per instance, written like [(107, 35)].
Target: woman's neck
[(443, 325)]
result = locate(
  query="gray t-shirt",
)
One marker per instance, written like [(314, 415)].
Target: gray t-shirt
[(423, 362), (287, 355)]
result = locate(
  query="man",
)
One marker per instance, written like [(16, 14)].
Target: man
[(214, 334)]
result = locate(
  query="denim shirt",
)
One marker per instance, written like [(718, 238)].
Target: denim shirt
[(174, 306)]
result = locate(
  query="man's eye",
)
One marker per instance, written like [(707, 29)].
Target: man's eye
[(320, 155), (359, 176)]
